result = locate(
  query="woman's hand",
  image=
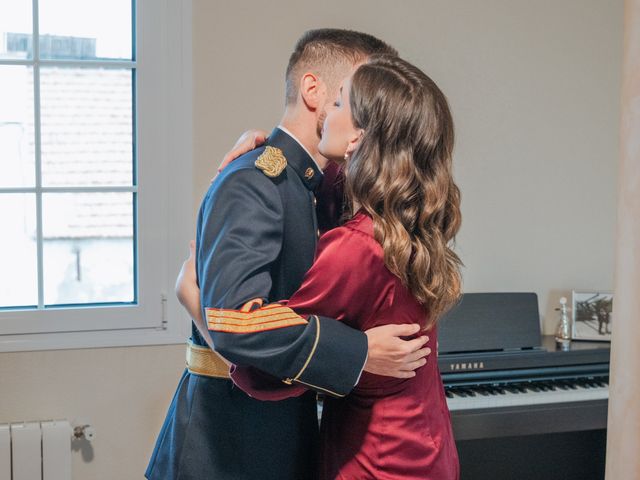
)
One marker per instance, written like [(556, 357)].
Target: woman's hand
[(248, 141), (187, 289), (188, 294)]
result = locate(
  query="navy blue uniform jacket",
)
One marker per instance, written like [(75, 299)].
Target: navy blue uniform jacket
[(256, 238)]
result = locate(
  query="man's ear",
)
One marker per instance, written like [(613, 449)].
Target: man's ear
[(311, 90), (354, 142)]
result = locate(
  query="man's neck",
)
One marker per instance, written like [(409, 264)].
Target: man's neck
[(304, 130)]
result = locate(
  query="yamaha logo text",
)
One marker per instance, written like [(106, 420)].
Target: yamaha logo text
[(467, 366)]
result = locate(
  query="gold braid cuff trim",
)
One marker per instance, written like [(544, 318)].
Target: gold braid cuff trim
[(262, 319)]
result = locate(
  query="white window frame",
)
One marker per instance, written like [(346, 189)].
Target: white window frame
[(165, 202)]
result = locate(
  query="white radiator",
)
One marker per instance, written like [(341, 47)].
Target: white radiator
[(35, 451)]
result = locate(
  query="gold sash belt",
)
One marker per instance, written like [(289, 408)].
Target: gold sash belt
[(204, 361)]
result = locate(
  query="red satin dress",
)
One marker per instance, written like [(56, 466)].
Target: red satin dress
[(386, 428)]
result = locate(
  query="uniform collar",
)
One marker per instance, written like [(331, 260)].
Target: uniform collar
[(297, 157)]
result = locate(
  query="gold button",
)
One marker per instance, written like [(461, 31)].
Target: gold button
[(318, 233), (309, 173)]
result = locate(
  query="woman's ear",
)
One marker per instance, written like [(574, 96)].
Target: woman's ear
[(354, 142), (311, 90)]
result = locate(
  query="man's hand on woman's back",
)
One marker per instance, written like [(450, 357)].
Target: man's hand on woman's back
[(392, 356)]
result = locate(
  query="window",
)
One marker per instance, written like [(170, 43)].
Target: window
[(84, 168)]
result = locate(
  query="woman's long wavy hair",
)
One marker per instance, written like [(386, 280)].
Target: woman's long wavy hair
[(401, 175)]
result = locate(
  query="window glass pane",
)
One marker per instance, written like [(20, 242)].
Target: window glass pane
[(86, 126), (85, 29), (18, 256), (88, 250), (16, 26), (17, 168)]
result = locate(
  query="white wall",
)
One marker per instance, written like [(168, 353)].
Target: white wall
[(122, 392), (534, 89)]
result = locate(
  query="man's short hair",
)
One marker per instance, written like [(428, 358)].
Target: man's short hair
[(322, 50)]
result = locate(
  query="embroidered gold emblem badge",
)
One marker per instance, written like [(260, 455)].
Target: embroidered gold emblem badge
[(308, 174), (272, 162)]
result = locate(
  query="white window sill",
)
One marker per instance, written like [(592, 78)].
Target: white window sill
[(98, 339)]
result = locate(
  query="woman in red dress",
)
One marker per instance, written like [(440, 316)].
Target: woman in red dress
[(390, 263)]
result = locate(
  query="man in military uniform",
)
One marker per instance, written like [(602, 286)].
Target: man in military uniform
[(256, 238)]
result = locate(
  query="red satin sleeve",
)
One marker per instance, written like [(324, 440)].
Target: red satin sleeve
[(347, 282)]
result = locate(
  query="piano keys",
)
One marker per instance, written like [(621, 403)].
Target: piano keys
[(511, 394)]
